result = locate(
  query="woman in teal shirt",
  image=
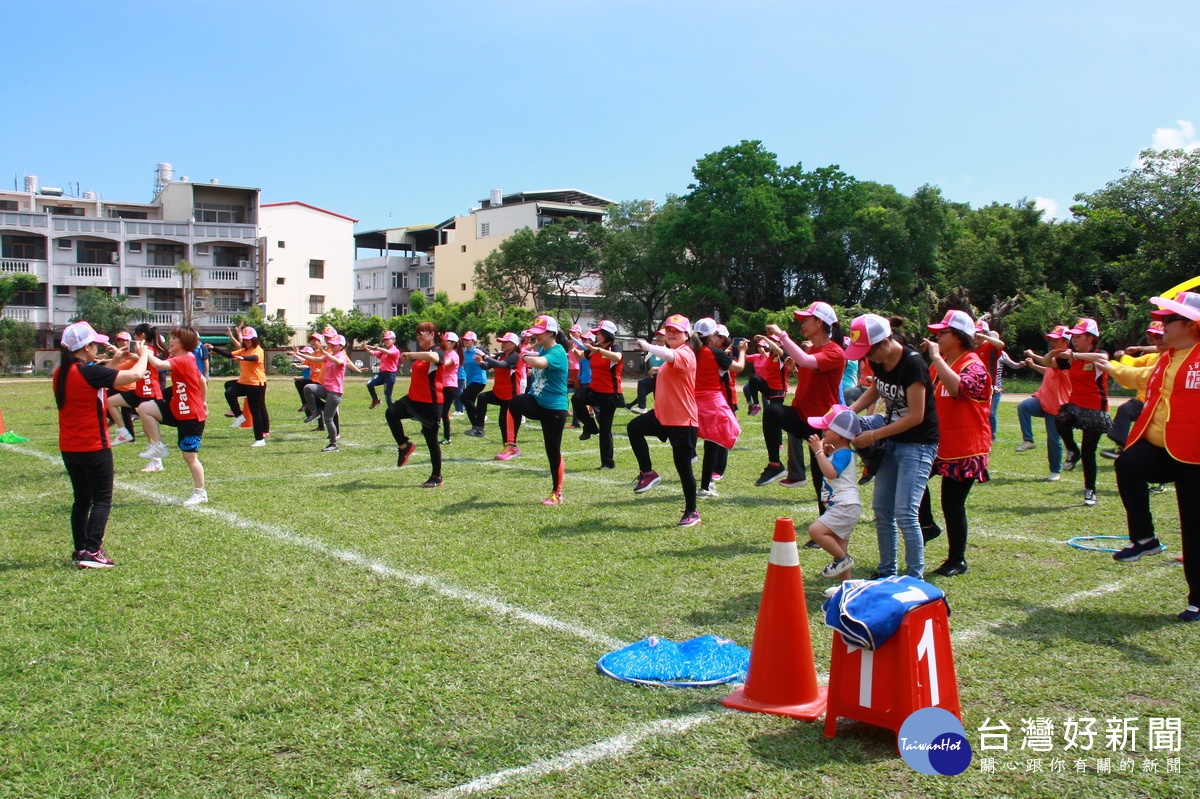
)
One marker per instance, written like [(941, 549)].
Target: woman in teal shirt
[(547, 397)]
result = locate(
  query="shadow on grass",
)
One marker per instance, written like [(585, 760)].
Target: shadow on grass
[(731, 550), (1046, 626), (732, 608), (9, 566), (575, 528), (805, 746)]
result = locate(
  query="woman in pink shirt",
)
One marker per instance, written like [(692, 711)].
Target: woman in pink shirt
[(448, 375), (389, 364), (331, 392), (674, 416)]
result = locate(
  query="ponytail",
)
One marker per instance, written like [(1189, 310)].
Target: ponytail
[(65, 360)]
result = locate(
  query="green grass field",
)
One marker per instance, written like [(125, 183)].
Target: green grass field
[(326, 628)]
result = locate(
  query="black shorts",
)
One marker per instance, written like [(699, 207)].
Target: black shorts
[(133, 399), (191, 431)]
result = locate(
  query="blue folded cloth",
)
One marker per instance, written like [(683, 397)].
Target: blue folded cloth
[(868, 612), (707, 660)]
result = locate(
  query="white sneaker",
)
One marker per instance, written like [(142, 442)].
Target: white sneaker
[(262, 442), (1025, 446), (123, 436), (1054, 477), (707, 493), (150, 451), (198, 495), (155, 465), (838, 566), (160, 450), (238, 422)]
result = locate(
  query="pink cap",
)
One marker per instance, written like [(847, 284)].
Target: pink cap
[(840, 419), (1186, 303), (336, 341), (307, 350), (1059, 332), (511, 338), (122, 336), (249, 332), (865, 332), (677, 322), (1156, 329), (822, 310), (608, 327), (545, 323), (79, 335), (389, 334), (450, 336), (470, 336), (982, 327), (955, 320), (1085, 325), (328, 331)]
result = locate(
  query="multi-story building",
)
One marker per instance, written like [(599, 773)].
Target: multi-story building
[(434, 258), (308, 261), (132, 248)]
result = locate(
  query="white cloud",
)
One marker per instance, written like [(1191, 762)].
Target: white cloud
[(1180, 137), (1048, 207)]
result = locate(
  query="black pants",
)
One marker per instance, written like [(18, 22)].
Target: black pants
[(91, 476), (755, 388), (602, 421), (1143, 464), (954, 509), (1088, 455), (553, 423), (777, 418), (715, 458), (256, 397), (683, 447), (645, 389), (448, 395), (428, 414), (1127, 414), (301, 382), (467, 398), (510, 422)]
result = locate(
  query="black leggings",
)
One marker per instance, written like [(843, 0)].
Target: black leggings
[(683, 447), (91, 476), (553, 423), (427, 413), (954, 509), (256, 397), (755, 387), (510, 422), (645, 387), (715, 458), (467, 398), (777, 418), (1090, 442), (448, 395), (606, 408)]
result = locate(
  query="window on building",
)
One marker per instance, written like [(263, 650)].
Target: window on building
[(464, 248), (280, 313), (31, 247), (219, 213), (425, 280), (163, 254), (228, 302), (135, 246), (133, 292), (117, 213), (316, 304), (281, 244), (396, 281), (163, 300), (316, 270), (464, 286), (64, 210), (9, 205), (62, 291), (95, 252), (32, 299), (229, 256), (485, 229)]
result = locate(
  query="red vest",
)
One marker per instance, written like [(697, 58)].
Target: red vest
[(1089, 386), (964, 429), (1182, 429), (606, 374), (82, 422), (425, 385)]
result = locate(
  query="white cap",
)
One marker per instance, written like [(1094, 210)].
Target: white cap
[(955, 320), (79, 335), (865, 332), (1085, 325), (705, 327), (840, 419), (450, 336), (608, 327), (822, 310), (722, 331), (1186, 303)]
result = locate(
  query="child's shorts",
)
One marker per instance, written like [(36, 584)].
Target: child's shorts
[(841, 519)]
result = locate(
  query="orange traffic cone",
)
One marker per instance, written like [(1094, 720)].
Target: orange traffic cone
[(3, 429), (246, 412), (783, 675)]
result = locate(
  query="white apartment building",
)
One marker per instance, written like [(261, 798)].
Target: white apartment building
[(70, 242), (393, 262), (308, 262)]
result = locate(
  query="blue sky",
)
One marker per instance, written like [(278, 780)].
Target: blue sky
[(404, 113)]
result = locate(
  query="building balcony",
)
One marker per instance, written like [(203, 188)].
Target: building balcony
[(40, 269), (165, 318), (153, 277), (84, 275), (23, 220), (32, 316), (214, 319), (226, 278)]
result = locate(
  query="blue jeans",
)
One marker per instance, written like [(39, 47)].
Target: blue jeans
[(992, 418), (899, 486), (385, 379), (1026, 410)]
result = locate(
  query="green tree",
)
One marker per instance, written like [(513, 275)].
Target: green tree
[(107, 313), (273, 331), (17, 341), (187, 271), (512, 270), (544, 268), (13, 284), (355, 325)]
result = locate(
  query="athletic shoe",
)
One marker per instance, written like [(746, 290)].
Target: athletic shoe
[(151, 451), (586, 434), (716, 478), (123, 436), (788, 482), (94, 560), (374, 405), (689, 519), (509, 452), (754, 409), (1069, 463), (1191, 614), (312, 417), (1025, 446), (155, 465), (331, 448), (931, 532), (773, 472), (262, 442), (1054, 477), (477, 432), (866, 478), (76, 555), (1157, 488), (432, 482), (238, 422), (951, 568), (1089, 498), (406, 451), (707, 493), (302, 409), (445, 442), (604, 466), (638, 409), (810, 544), (230, 414), (198, 496), (1135, 551), (646, 481), (838, 566), (553, 499), (1111, 454)]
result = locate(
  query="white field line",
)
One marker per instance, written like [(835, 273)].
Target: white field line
[(313, 544)]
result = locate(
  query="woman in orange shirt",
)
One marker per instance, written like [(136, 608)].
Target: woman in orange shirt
[(251, 383)]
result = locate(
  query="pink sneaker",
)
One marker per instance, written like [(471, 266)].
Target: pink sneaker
[(553, 499), (509, 452)]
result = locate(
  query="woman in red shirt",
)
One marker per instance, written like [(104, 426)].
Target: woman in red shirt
[(79, 386), (423, 402), (508, 380), (716, 423), (605, 393), (1088, 408)]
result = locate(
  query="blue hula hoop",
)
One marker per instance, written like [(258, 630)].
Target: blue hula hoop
[(1084, 542)]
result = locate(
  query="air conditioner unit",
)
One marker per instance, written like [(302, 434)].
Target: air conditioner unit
[(243, 264), (115, 258), (414, 261), (279, 281), (197, 305)]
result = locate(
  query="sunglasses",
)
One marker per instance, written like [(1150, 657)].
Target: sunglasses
[(1174, 318)]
